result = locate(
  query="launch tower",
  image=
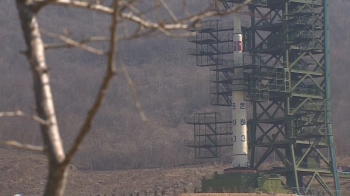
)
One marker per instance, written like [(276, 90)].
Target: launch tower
[(283, 75)]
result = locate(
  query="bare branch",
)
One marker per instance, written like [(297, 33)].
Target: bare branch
[(177, 35), (133, 89), (41, 4), (125, 28), (157, 12), (95, 39), (43, 98), (24, 146), (138, 32), (207, 13), (182, 24), (83, 41), (22, 114), (137, 35), (171, 14), (73, 43), (133, 8), (84, 4), (185, 8), (111, 70), (156, 6), (124, 4), (55, 46), (148, 24)]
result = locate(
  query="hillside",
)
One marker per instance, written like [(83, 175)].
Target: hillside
[(170, 86), (26, 173), (30, 181)]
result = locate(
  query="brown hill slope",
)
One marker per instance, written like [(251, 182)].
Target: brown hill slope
[(25, 173), (169, 84)]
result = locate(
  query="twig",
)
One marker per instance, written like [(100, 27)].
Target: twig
[(24, 146), (84, 4), (124, 4), (134, 91), (149, 10), (111, 70), (73, 43), (83, 41), (157, 12), (176, 35), (137, 33), (125, 28), (166, 7), (185, 8), (182, 24), (22, 114), (41, 4), (132, 8), (207, 13)]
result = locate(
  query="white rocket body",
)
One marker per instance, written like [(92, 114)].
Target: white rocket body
[(239, 110)]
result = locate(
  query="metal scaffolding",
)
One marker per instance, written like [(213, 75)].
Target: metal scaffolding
[(286, 79), (214, 48), (211, 133), (290, 51)]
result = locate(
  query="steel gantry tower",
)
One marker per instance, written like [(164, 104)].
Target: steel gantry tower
[(286, 80)]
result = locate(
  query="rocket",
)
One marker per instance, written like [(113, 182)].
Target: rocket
[(239, 110)]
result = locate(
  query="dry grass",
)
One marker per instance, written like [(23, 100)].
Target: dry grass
[(25, 173), (237, 194)]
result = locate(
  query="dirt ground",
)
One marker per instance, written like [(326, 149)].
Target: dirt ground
[(236, 194), (23, 172)]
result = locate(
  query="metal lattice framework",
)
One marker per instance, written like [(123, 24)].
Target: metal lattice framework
[(214, 48), (211, 133), (288, 68), (286, 80)]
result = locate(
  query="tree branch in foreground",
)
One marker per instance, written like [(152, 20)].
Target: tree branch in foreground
[(22, 114), (83, 41), (111, 70), (73, 43), (181, 24), (24, 146), (134, 91)]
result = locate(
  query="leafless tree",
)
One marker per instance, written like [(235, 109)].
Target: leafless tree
[(129, 20)]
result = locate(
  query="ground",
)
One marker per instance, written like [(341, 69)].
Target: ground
[(25, 172)]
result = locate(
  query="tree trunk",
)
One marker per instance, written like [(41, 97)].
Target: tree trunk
[(44, 101)]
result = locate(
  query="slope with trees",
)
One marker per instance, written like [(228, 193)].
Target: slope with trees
[(125, 20)]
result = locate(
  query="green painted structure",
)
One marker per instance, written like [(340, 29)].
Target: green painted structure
[(244, 183), (286, 74)]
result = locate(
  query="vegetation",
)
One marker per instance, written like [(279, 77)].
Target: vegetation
[(126, 20), (170, 88)]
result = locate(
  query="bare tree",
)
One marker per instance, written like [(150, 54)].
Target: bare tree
[(130, 19)]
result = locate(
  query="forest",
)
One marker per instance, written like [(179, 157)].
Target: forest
[(169, 84)]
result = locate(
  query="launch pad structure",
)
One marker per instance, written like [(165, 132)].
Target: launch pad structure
[(284, 71)]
